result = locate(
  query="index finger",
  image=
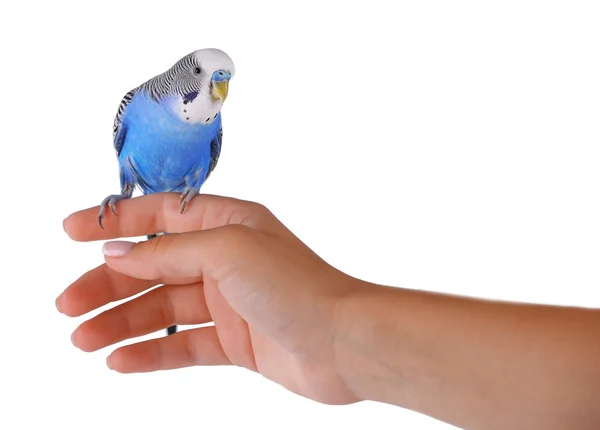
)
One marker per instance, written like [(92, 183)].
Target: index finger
[(158, 213)]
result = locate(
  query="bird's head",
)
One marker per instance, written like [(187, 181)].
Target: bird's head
[(214, 69), (204, 73), (200, 84)]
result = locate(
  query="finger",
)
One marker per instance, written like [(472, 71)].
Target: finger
[(230, 325), (97, 288), (158, 309), (161, 212), (196, 347), (184, 255), (103, 285)]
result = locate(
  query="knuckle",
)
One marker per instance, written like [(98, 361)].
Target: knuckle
[(157, 245), (190, 351), (121, 320), (239, 238), (259, 209), (167, 306), (159, 248), (238, 232), (253, 214), (165, 210)]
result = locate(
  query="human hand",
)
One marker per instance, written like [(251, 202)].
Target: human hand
[(273, 301)]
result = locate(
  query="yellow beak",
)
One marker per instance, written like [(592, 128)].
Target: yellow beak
[(219, 90)]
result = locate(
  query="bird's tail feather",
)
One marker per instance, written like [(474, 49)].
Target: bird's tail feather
[(172, 329)]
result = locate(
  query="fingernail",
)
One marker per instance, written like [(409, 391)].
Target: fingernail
[(73, 338), (108, 363), (57, 302), (117, 248)]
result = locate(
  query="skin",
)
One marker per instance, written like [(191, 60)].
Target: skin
[(280, 310)]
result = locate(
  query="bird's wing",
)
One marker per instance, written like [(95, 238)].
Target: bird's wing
[(215, 151), (118, 130)]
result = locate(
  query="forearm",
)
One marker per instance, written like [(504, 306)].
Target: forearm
[(474, 363)]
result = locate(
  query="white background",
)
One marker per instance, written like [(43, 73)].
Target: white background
[(449, 146)]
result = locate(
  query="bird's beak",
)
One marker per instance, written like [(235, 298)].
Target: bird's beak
[(220, 90)]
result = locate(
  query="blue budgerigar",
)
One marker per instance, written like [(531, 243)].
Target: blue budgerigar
[(167, 132)]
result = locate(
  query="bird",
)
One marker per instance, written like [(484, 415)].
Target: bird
[(167, 133)]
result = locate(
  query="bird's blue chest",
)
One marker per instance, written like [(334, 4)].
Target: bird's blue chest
[(162, 151)]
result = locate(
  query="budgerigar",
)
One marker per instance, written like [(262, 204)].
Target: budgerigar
[(167, 132)]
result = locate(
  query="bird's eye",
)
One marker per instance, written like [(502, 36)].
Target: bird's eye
[(221, 73), (197, 71)]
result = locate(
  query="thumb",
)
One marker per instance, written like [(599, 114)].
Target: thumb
[(171, 255)]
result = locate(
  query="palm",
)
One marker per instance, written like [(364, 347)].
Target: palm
[(246, 346)]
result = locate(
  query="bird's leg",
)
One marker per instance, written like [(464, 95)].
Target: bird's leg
[(187, 196), (192, 189), (111, 200)]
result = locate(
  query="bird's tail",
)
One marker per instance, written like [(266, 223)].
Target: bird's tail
[(172, 329)]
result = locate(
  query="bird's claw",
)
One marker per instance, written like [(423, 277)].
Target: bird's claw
[(187, 197), (110, 201)]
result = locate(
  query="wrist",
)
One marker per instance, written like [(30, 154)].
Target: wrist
[(366, 341)]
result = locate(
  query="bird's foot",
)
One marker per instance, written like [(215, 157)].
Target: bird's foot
[(110, 201), (187, 197)]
